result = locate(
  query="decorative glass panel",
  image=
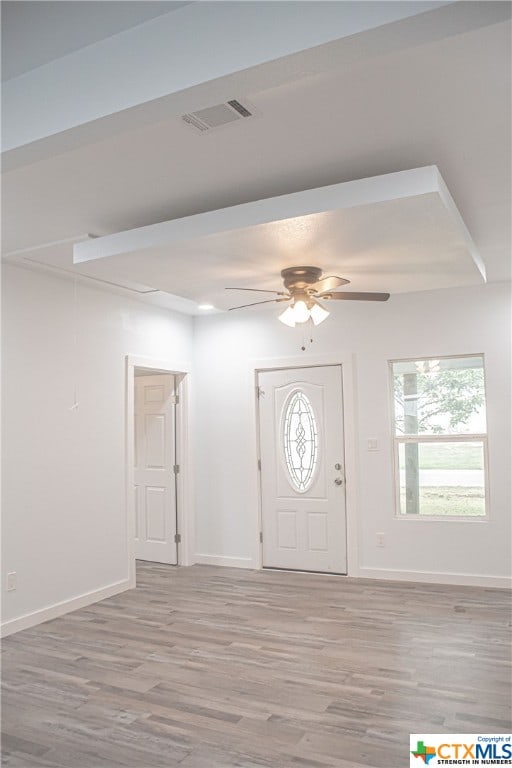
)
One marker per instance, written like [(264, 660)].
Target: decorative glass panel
[(300, 441)]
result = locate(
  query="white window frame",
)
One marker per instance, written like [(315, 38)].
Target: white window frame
[(398, 440)]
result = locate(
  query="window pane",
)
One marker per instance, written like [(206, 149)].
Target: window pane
[(442, 479), (439, 397)]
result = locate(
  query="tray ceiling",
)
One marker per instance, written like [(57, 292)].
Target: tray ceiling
[(398, 233)]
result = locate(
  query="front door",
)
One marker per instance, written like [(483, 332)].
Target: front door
[(155, 457), (302, 475)]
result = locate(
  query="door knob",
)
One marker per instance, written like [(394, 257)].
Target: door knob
[(338, 481)]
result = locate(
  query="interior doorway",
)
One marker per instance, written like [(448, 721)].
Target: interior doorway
[(155, 466), (302, 469), (159, 519)]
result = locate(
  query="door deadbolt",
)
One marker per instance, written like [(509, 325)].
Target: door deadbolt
[(337, 466)]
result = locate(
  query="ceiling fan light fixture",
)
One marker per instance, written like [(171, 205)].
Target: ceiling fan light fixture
[(318, 313), (301, 312), (287, 317)]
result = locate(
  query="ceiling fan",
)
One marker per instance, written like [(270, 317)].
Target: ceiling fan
[(303, 287)]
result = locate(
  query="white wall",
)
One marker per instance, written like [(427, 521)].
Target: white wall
[(449, 322), (64, 515)]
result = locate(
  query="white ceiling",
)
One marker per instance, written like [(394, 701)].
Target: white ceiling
[(444, 103), (393, 233), (39, 31)]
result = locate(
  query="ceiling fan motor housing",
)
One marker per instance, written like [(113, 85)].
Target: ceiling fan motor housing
[(297, 278)]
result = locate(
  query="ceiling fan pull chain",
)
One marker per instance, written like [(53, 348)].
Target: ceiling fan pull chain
[(303, 347)]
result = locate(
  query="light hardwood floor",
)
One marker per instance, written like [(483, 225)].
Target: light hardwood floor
[(208, 667)]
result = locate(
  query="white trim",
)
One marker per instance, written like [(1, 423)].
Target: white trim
[(346, 361), (185, 499), (129, 428), (65, 606), (460, 437), (227, 561), (181, 369), (436, 577), (417, 518), (166, 366)]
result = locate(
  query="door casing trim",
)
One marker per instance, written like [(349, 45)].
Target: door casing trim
[(181, 369), (346, 361)]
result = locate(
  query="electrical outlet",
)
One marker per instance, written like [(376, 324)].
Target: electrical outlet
[(381, 542), (11, 581)]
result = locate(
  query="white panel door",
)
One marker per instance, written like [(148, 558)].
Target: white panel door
[(302, 477), (155, 484)]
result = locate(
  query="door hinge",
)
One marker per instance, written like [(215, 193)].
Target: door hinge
[(261, 537), (175, 399), (259, 391), (259, 464), (177, 538), (176, 469)]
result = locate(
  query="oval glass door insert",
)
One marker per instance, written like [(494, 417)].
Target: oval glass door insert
[(300, 441)]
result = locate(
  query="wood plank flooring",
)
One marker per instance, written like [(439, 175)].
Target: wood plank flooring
[(207, 667)]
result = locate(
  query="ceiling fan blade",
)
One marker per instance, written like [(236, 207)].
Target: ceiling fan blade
[(328, 283), (268, 301), (258, 290), (356, 296)]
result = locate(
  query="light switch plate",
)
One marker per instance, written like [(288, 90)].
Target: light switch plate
[(11, 582)]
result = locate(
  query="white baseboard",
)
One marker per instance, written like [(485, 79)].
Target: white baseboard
[(59, 609), (66, 606), (435, 577), (226, 560)]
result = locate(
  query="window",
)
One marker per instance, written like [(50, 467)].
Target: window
[(440, 438), (300, 441)]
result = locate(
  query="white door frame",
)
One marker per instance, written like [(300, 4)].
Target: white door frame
[(185, 517), (345, 360)]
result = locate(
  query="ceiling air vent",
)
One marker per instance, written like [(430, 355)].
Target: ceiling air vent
[(214, 117)]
